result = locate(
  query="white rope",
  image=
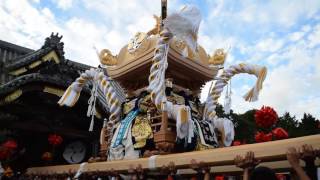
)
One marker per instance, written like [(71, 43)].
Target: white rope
[(222, 80)]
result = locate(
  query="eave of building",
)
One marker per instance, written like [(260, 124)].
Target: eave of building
[(12, 90), (22, 64), (15, 48)]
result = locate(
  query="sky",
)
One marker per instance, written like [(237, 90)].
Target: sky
[(283, 35)]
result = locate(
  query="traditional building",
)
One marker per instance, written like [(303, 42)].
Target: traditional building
[(32, 81)]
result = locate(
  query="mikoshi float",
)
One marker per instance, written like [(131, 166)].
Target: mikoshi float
[(151, 90)]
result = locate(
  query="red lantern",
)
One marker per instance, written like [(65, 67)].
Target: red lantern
[(47, 156), (280, 133), (219, 177), (266, 117), (55, 139), (10, 144), (236, 143)]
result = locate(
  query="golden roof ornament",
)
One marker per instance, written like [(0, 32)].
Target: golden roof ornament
[(106, 58), (138, 42), (218, 58)]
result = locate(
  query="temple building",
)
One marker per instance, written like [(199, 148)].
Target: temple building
[(32, 81)]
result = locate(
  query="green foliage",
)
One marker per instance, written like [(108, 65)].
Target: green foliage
[(245, 127), (290, 124)]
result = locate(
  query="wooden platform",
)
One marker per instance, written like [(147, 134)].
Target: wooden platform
[(221, 158)]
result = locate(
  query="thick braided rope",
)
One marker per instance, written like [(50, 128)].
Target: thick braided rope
[(72, 94), (259, 71), (158, 69)]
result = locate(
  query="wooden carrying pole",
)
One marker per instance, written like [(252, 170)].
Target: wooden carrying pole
[(267, 152)]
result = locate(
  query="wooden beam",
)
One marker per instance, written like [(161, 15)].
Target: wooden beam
[(267, 152), (278, 166)]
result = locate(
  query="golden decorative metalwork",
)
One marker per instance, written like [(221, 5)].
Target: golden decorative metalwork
[(146, 104), (34, 64), (11, 97), (106, 58), (128, 106), (54, 91), (141, 131), (218, 57), (138, 43), (18, 71), (52, 55)]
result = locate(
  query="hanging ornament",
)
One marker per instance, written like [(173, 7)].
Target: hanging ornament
[(227, 99), (47, 156), (266, 117), (55, 139), (280, 133), (10, 144)]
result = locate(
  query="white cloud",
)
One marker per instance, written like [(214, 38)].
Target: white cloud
[(269, 45), (64, 4), (291, 87), (294, 69), (24, 24), (314, 37)]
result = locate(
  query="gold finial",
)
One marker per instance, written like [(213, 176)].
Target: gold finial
[(218, 57), (106, 58)]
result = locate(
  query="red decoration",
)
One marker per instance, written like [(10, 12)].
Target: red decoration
[(259, 137), (55, 139), (47, 156), (236, 143), (280, 133), (266, 117), (267, 137), (281, 177), (262, 137), (4, 153), (10, 144), (219, 178)]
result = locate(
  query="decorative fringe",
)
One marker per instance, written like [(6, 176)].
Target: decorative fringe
[(226, 127), (69, 98), (184, 115), (253, 94), (92, 105)]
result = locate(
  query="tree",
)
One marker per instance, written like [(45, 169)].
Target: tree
[(308, 125), (244, 126), (290, 124)]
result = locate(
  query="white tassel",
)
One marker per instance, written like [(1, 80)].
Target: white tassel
[(92, 105)]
